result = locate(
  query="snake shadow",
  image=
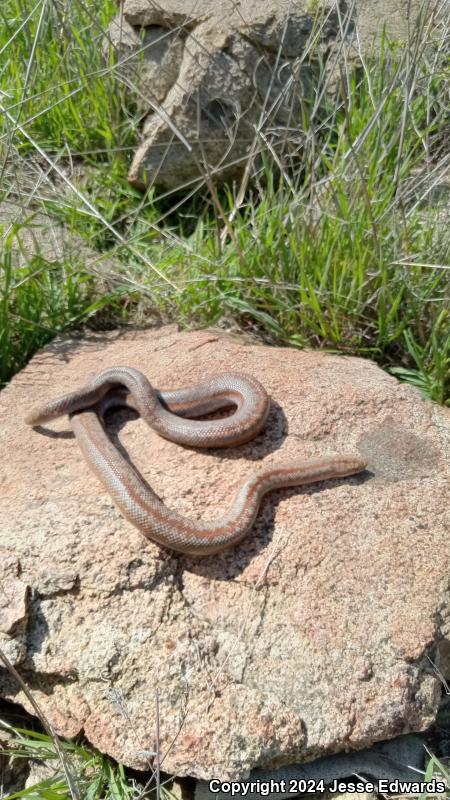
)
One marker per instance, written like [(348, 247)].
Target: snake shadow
[(268, 441), (229, 564)]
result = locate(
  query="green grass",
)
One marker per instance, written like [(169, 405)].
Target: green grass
[(438, 771), (93, 775), (336, 245), (39, 300), (55, 78)]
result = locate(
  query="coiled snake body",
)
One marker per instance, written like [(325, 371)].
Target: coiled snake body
[(173, 415)]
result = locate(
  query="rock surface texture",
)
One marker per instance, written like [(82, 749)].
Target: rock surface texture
[(313, 636), (217, 80)]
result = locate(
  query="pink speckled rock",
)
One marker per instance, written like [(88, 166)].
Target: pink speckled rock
[(310, 637)]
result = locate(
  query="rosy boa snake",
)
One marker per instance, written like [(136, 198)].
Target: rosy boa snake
[(172, 414)]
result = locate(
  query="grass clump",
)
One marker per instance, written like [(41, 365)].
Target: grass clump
[(38, 300), (348, 251), (94, 776), (55, 80), (337, 240)]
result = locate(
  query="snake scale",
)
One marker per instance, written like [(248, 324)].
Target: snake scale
[(174, 415)]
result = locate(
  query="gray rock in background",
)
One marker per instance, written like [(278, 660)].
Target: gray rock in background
[(398, 759), (214, 78)]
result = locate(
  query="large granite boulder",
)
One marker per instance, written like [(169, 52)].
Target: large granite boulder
[(217, 81), (321, 632)]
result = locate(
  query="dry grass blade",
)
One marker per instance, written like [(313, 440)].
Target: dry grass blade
[(71, 780), (86, 202)]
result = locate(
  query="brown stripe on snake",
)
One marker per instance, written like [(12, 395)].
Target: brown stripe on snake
[(172, 414)]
